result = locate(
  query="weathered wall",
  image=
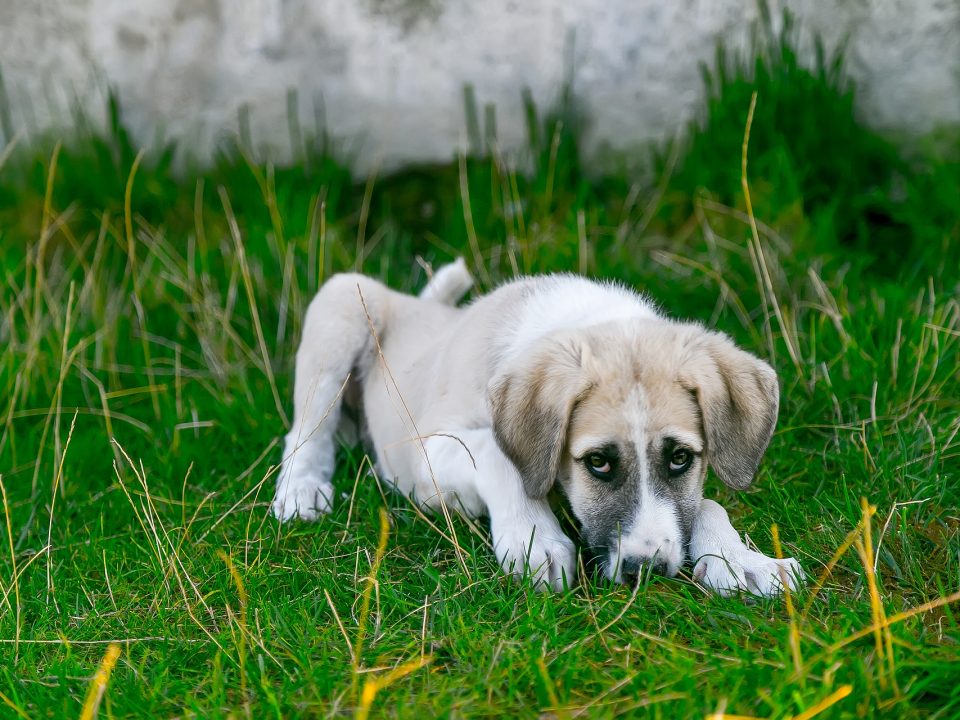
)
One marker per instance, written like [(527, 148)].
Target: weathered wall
[(386, 77)]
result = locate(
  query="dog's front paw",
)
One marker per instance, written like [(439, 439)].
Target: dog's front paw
[(549, 561), (747, 571), (301, 495)]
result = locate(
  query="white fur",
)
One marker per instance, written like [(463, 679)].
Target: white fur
[(726, 565), (427, 412), (654, 534), (448, 284), (654, 531), (567, 302)]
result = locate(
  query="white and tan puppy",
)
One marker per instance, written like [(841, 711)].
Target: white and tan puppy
[(547, 382)]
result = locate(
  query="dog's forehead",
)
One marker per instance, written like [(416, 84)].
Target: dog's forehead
[(637, 394), (673, 411)]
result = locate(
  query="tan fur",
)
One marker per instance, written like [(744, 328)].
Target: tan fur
[(697, 382), (532, 404), (739, 398)]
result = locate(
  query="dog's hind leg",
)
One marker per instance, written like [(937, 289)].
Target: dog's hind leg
[(337, 346), (448, 284)]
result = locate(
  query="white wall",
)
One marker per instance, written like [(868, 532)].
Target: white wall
[(387, 76)]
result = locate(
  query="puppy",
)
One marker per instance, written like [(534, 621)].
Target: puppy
[(547, 382)]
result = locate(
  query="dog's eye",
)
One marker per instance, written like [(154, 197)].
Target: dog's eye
[(599, 465), (680, 460)]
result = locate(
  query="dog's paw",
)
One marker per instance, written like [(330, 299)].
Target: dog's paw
[(548, 561), (302, 496), (747, 571)]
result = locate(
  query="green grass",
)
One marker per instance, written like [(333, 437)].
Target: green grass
[(139, 423)]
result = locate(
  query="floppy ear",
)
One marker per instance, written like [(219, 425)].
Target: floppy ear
[(531, 403), (739, 397)]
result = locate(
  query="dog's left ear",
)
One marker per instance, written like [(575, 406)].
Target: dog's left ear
[(531, 403), (739, 398)]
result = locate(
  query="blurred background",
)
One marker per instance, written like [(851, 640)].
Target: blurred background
[(396, 82)]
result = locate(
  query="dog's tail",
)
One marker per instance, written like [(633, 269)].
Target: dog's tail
[(448, 284)]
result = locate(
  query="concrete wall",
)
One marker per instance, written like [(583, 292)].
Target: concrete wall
[(387, 77)]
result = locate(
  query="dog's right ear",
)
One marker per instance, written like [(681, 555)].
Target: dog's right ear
[(531, 403)]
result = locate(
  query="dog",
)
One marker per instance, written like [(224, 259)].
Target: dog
[(548, 382)]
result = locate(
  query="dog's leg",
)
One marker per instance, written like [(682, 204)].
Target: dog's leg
[(337, 341), (725, 564), (448, 284), (526, 535)]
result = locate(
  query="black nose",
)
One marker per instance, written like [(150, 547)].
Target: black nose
[(632, 569)]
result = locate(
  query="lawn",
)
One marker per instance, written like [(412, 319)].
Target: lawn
[(148, 322)]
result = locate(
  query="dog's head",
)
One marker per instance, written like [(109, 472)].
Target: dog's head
[(626, 417)]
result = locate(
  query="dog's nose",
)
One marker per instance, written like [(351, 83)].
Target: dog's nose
[(633, 568)]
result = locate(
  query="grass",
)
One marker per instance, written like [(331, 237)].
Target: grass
[(147, 330)]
